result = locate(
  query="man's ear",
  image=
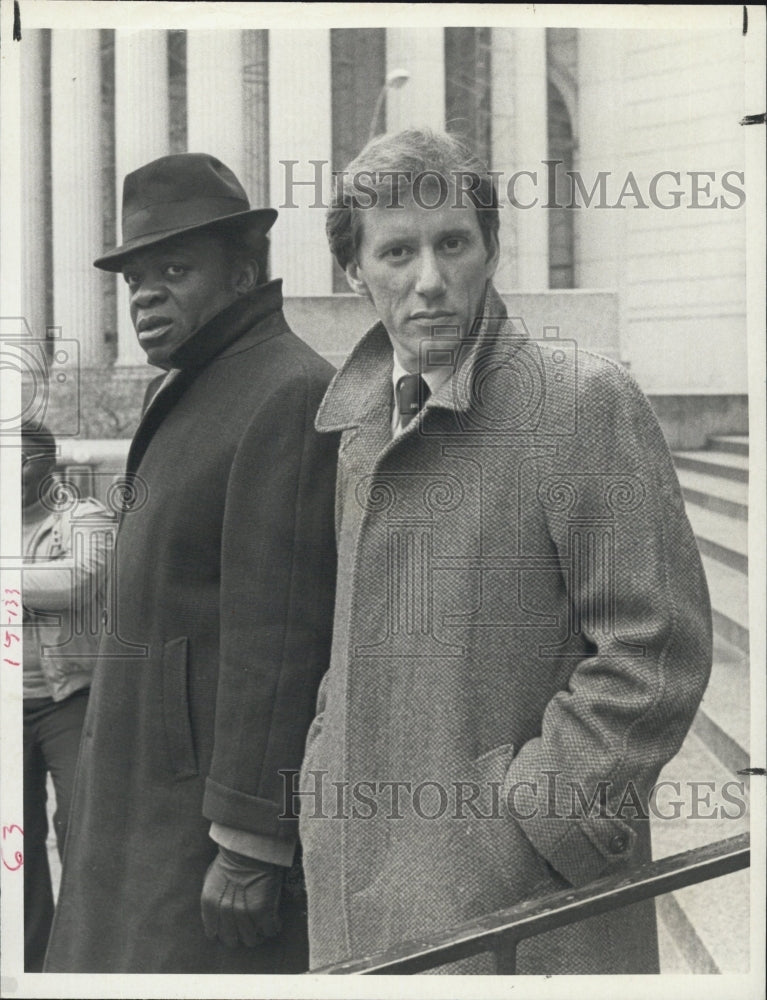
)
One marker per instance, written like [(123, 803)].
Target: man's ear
[(355, 281), (245, 275)]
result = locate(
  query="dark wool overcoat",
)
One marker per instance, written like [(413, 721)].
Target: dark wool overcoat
[(207, 678), (522, 637)]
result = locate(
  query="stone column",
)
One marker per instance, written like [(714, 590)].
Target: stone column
[(599, 233), (255, 120), (76, 158), (421, 100), (519, 142), (35, 278), (300, 142), (141, 135), (502, 149), (214, 96)]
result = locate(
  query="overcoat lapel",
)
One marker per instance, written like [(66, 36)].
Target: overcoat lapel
[(359, 398), (191, 357), (159, 407)]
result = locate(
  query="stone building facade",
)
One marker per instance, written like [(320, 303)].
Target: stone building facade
[(619, 155)]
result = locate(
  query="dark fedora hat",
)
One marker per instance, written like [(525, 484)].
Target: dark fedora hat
[(183, 193)]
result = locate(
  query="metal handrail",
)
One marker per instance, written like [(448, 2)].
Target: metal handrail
[(503, 930)]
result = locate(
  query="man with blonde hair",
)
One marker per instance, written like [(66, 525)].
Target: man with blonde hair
[(522, 627)]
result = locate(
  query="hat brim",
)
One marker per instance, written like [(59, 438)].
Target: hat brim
[(261, 218)]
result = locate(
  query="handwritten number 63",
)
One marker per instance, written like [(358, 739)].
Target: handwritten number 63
[(18, 856)]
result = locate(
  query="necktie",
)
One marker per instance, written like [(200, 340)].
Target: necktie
[(412, 392)]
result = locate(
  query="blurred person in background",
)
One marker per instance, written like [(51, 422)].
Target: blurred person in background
[(63, 586)]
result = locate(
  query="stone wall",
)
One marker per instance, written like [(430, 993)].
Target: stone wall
[(96, 403), (105, 403)]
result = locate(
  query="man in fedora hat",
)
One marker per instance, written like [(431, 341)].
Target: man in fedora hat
[(179, 853)]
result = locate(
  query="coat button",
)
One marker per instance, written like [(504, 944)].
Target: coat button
[(618, 844)]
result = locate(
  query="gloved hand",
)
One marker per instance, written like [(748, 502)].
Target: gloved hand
[(240, 899)]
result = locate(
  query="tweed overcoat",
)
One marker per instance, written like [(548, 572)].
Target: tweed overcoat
[(522, 626), (207, 676)]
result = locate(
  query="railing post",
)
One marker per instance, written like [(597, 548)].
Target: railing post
[(505, 949)]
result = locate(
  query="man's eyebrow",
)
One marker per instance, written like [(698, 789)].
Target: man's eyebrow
[(456, 231), (443, 234)]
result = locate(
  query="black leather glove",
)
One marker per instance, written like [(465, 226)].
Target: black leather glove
[(240, 899)]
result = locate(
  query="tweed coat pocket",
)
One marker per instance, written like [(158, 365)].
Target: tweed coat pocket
[(502, 854), (175, 708), (314, 800)]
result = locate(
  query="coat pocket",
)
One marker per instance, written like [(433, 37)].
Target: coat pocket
[(175, 708), (510, 854)]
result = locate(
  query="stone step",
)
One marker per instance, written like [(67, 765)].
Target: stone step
[(724, 496), (723, 722), (672, 959), (735, 443), (721, 537), (705, 925), (724, 464), (729, 602)]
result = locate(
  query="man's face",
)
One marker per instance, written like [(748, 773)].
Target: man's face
[(422, 268), (175, 288)]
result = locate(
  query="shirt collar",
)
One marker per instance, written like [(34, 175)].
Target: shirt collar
[(355, 389), (435, 379), (35, 513)]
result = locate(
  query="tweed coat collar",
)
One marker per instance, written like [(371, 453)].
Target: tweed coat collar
[(357, 392)]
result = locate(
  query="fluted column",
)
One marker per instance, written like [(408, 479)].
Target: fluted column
[(34, 276), (214, 96), (299, 155), (255, 123), (520, 142), (502, 149), (420, 101), (141, 135), (600, 146), (76, 158)]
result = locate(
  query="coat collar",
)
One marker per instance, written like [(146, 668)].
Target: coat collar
[(216, 338), (227, 326), (354, 395)]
